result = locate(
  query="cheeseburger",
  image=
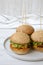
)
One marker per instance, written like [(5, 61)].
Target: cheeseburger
[(26, 29), (20, 43), (37, 38)]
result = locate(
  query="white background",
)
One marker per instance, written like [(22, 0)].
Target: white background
[(14, 7)]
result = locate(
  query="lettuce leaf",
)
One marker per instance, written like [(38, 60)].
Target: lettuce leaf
[(37, 43), (19, 45)]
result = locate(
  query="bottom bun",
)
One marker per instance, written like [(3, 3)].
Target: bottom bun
[(19, 51), (38, 48)]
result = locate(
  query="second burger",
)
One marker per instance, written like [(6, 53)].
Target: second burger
[(28, 29)]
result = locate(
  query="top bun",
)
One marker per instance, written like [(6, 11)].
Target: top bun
[(20, 38), (37, 36), (26, 29)]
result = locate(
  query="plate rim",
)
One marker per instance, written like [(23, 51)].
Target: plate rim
[(16, 57)]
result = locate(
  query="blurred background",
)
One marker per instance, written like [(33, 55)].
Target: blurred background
[(14, 7), (11, 10)]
